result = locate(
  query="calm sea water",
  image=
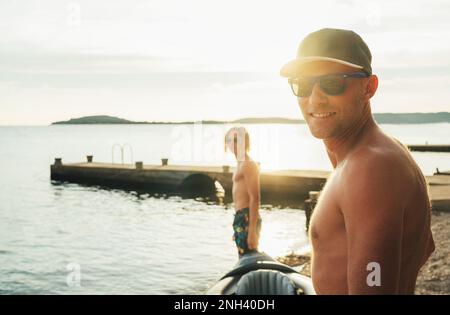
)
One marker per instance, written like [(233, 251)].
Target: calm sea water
[(73, 239)]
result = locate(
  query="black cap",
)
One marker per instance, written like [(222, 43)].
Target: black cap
[(329, 44)]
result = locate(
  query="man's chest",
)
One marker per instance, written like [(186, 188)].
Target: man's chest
[(327, 221)]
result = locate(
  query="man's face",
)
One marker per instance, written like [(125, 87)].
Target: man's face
[(329, 116)]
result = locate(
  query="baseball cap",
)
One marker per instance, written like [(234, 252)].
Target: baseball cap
[(330, 44)]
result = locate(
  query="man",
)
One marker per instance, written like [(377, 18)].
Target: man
[(370, 231), (246, 192)]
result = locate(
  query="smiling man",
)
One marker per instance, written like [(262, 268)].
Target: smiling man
[(370, 231)]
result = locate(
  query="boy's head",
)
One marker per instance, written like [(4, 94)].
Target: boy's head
[(237, 140)]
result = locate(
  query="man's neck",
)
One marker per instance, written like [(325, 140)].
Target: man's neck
[(340, 146)]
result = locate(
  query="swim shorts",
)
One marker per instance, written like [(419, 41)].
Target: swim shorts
[(240, 227)]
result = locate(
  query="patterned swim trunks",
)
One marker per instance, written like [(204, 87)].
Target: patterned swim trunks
[(240, 227)]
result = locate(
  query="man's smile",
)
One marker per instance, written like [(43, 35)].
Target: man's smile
[(322, 115)]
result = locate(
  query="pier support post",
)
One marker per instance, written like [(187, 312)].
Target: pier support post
[(139, 165), (310, 204)]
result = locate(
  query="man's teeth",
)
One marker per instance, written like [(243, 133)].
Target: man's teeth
[(322, 115)]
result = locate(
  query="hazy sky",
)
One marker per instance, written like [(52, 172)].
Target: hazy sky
[(204, 59)]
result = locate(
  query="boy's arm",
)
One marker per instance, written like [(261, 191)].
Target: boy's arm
[(251, 175)]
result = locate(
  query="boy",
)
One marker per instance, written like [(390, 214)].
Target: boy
[(246, 192)]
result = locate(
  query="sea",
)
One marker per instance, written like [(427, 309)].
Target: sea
[(67, 238)]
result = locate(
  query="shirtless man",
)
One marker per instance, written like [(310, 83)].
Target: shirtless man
[(370, 231), (246, 194)]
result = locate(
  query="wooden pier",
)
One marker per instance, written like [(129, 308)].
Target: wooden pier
[(289, 183), (429, 147), (286, 183)]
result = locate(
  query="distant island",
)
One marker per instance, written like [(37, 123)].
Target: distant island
[(381, 118), (110, 120)]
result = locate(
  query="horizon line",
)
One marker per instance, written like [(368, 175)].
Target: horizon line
[(295, 120)]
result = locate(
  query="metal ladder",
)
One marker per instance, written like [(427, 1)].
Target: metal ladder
[(122, 148)]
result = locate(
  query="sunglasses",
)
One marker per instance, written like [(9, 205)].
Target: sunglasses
[(331, 84)]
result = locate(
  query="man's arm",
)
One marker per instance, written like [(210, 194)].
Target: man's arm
[(251, 175), (372, 205)]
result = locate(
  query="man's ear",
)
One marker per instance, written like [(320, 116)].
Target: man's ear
[(371, 87)]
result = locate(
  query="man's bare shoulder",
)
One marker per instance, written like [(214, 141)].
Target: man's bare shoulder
[(385, 157), (376, 177)]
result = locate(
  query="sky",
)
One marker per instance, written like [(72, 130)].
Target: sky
[(190, 60)]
